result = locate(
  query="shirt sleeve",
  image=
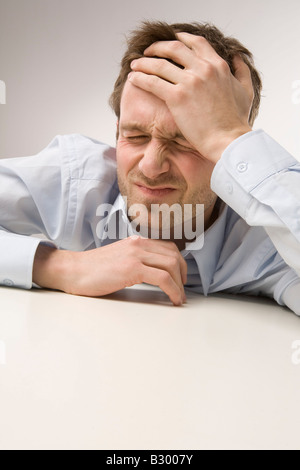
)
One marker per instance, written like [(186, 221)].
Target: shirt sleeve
[(260, 181), (17, 256), (33, 199)]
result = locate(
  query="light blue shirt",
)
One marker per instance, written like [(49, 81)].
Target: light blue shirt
[(252, 248)]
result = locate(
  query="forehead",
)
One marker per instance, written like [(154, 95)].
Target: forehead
[(139, 107)]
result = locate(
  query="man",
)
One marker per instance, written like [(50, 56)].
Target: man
[(185, 100)]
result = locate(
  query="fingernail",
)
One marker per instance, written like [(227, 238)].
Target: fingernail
[(130, 75), (133, 63)]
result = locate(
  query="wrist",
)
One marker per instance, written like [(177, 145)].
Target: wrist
[(52, 267), (220, 142)]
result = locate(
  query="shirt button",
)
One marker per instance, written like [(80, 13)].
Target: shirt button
[(8, 282), (229, 188), (242, 167)]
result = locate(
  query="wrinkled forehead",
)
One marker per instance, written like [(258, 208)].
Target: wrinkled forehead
[(141, 108)]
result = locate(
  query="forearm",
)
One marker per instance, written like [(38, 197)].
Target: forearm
[(260, 181)]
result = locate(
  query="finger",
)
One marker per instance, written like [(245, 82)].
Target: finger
[(167, 248), (159, 67), (174, 50), (151, 83), (199, 45), (164, 281), (182, 264), (178, 257), (167, 263), (242, 73)]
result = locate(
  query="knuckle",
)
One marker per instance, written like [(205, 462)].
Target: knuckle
[(173, 246), (208, 70), (180, 94), (134, 240), (173, 262), (164, 278), (194, 81), (176, 46), (134, 247), (200, 40), (223, 66)]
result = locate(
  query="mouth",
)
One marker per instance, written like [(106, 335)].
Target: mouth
[(159, 191)]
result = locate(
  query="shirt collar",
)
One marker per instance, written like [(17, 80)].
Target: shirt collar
[(124, 225), (207, 258)]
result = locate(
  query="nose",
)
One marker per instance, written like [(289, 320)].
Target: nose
[(155, 160)]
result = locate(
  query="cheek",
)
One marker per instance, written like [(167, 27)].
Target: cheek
[(127, 157)]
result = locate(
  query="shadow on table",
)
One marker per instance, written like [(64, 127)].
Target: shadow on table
[(151, 295), (145, 294), (140, 295)]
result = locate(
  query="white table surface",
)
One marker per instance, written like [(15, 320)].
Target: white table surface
[(130, 371)]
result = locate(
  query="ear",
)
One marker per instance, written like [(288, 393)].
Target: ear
[(117, 129)]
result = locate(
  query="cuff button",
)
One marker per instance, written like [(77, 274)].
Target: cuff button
[(8, 282), (242, 167)]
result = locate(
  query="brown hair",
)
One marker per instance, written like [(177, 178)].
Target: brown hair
[(150, 32)]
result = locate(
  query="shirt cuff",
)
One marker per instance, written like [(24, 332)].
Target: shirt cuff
[(291, 297), (244, 165), (17, 253)]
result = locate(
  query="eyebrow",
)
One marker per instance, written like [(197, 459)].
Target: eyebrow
[(128, 126), (134, 126)]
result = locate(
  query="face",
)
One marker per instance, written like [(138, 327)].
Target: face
[(156, 165)]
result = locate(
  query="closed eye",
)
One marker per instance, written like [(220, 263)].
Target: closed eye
[(137, 138), (183, 147)]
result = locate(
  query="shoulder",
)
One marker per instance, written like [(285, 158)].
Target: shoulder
[(86, 158)]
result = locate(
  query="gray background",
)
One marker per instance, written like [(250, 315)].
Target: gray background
[(59, 60)]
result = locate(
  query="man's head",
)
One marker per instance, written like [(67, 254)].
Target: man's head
[(150, 32), (156, 164)]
